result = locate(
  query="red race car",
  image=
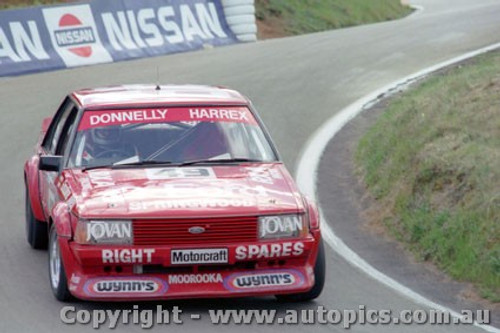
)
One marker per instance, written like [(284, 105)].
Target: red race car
[(144, 192)]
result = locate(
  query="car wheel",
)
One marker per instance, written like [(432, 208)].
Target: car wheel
[(36, 231), (57, 276), (319, 281)]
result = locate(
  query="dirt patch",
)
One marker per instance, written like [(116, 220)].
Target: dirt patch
[(273, 27)]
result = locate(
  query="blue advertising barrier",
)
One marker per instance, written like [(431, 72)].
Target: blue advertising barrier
[(70, 35)]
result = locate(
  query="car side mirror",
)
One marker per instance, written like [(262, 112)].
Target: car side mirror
[(50, 163)]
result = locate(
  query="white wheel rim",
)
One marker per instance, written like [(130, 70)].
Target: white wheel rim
[(55, 262)]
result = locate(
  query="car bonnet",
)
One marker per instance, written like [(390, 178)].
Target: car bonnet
[(169, 192)]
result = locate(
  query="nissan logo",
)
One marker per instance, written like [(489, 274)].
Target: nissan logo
[(196, 230)]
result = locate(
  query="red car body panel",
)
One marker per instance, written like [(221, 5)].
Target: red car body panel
[(31, 175), (226, 200), (157, 192)]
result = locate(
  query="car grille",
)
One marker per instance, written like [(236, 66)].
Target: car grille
[(176, 231)]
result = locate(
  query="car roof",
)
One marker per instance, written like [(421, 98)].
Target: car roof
[(143, 95)]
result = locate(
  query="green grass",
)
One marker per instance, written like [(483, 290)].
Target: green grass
[(433, 161), (305, 16)]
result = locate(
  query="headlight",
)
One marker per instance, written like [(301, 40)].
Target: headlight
[(104, 232), (282, 226)]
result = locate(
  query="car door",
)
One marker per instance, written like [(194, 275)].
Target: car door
[(55, 143)]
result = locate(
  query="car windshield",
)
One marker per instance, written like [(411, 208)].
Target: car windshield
[(169, 135)]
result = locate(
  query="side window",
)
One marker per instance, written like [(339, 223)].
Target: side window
[(56, 127), (66, 132)]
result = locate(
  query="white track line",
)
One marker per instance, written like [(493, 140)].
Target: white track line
[(307, 172)]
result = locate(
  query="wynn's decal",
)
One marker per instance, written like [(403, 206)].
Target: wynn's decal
[(93, 119), (109, 287), (274, 279)]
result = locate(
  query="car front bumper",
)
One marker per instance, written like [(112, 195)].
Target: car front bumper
[(124, 273)]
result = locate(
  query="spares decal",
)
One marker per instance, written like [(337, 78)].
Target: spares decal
[(255, 281), (136, 286), (93, 119), (287, 249)]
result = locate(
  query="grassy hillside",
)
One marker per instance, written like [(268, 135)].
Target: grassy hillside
[(432, 161), (293, 17)]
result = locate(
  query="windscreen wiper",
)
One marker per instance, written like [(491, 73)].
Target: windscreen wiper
[(221, 161), (140, 163), (106, 166)]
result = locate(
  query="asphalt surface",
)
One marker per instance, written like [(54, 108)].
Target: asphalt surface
[(296, 83)]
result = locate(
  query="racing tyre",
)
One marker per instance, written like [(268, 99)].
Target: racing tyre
[(239, 10), (57, 276), (242, 29), (247, 38), (36, 231), (240, 19), (319, 281)]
